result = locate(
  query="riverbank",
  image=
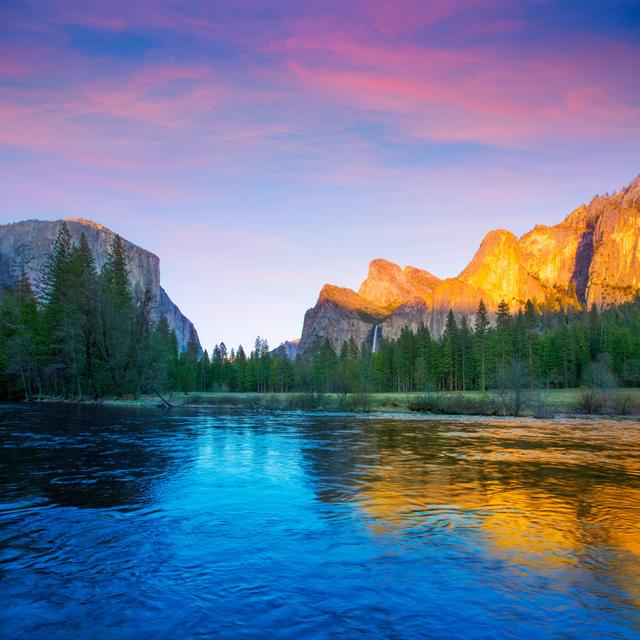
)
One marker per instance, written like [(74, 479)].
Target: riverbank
[(539, 403)]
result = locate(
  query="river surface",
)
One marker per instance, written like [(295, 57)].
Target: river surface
[(124, 523)]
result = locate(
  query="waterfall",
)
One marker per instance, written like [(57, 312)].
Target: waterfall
[(375, 338)]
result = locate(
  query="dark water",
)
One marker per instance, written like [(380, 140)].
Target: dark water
[(139, 524)]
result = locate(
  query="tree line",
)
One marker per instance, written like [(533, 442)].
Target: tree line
[(85, 334), (530, 348)]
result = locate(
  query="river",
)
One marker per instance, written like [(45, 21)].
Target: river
[(140, 523)]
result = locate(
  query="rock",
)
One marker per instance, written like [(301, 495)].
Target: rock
[(388, 286), (411, 315), (614, 271), (338, 315), (591, 257), (497, 272), (31, 240), (290, 348)]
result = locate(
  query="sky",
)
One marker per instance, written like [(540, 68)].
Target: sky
[(263, 149)]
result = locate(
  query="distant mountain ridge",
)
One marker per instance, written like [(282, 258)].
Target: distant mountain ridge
[(592, 256), (290, 348), (33, 239)]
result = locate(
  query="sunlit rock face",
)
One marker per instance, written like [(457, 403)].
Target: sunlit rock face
[(30, 242), (614, 274), (592, 256), (339, 314), (389, 286), (498, 272)]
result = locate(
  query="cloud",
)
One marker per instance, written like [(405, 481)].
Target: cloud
[(129, 86), (477, 94)]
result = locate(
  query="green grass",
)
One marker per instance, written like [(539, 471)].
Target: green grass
[(538, 402)]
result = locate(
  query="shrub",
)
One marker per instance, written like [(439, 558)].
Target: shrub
[(540, 406), (624, 404), (599, 374), (456, 405), (358, 402), (590, 401), (306, 401), (512, 383)]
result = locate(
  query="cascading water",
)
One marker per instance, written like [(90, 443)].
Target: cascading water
[(376, 339)]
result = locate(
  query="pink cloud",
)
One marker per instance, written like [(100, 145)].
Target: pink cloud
[(137, 98), (395, 17), (479, 94), (68, 122)]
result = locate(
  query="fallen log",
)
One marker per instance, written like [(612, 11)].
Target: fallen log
[(165, 403)]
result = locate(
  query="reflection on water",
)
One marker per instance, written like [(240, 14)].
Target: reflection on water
[(118, 523)]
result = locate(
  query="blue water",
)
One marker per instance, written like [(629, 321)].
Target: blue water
[(143, 524)]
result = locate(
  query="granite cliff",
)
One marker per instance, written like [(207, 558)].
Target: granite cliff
[(592, 256), (30, 241)]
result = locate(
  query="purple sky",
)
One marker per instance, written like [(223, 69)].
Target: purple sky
[(262, 149)]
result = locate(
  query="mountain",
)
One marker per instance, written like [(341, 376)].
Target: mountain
[(30, 242), (290, 348), (592, 256)]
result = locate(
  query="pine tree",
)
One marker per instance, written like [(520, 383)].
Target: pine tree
[(241, 370), (116, 316), (464, 335), (450, 344), (424, 359), (60, 321), (55, 271), (163, 356), (20, 337), (481, 329), (504, 334), (83, 298)]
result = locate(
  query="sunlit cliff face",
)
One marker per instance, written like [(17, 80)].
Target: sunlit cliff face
[(592, 256), (598, 242)]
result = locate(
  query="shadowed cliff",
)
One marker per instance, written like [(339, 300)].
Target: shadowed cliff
[(29, 242)]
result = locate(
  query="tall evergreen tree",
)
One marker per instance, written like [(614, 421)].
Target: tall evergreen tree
[(504, 334), (481, 329), (450, 344), (60, 319), (116, 317)]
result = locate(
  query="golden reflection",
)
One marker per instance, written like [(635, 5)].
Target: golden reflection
[(530, 503), (618, 508), (517, 523)]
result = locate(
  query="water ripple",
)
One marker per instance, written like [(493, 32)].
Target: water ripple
[(137, 523)]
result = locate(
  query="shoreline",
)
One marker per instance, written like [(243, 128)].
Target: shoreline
[(538, 404)]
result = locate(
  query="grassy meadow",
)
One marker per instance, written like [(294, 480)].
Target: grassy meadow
[(534, 403)]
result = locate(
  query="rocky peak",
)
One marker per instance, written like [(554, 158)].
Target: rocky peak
[(348, 299), (289, 347), (88, 224), (388, 286), (630, 195), (498, 268), (614, 269), (422, 280), (495, 245)]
